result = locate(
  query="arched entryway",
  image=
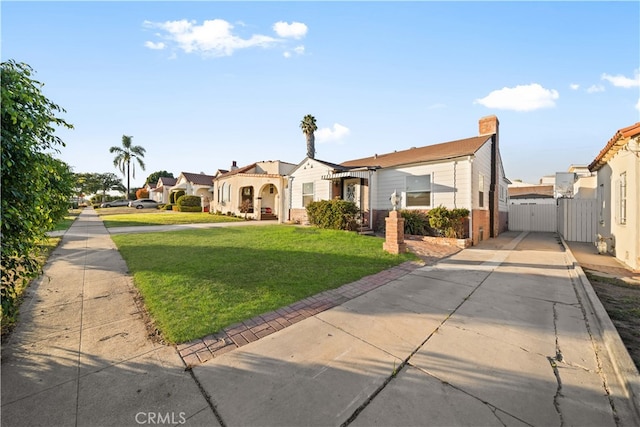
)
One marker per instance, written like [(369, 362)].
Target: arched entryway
[(269, 199)]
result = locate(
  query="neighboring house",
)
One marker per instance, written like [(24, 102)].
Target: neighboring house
[(150, 188), (586, 182), (161, 192), (531, 195), (195, 184), (618, 168), (259, 188), (310, 182), (466, 173)]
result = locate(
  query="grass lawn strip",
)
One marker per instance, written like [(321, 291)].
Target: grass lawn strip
[(197, 282), (159, 218)]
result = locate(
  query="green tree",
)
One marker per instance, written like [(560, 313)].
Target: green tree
[(36, 187), (308, 126), (87, 183), (124, 157), (154, 177)]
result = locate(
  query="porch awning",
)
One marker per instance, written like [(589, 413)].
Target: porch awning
[(348, 174), (178, 187)]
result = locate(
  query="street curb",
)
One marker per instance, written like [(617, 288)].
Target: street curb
[(623, 366)]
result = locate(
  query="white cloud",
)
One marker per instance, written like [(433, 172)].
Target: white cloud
[(295, 30), (155, 46), (211, 38), (574, 86), (298, 50), (332, 134), (595, 89), (622, 81), (520, 98)]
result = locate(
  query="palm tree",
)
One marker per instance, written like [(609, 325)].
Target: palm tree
[(308, 126), (124, 155)]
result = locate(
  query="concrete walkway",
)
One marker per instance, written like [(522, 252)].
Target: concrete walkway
[(504, 333)]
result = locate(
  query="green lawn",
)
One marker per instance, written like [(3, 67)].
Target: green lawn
[(197, 282), (68, 220), (112, 218)]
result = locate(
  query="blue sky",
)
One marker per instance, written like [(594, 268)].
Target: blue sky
[(201, 84)]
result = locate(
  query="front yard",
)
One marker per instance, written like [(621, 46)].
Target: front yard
[(125, 217), (197, 282)]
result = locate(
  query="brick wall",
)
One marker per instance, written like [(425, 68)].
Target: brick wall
[(480, 221)]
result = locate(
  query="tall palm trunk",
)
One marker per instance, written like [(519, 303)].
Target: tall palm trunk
[(128, 179), (311, 145)]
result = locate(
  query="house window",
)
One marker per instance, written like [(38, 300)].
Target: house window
[(418, 190), (247, 199), (271, 188), (481, 191), (622, 198), (307, 193), (601, 203)]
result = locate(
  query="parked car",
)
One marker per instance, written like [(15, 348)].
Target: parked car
[(143, 203), (115, 203)]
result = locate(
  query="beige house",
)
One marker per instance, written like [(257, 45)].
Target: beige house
[(618, 194), (257, 190)]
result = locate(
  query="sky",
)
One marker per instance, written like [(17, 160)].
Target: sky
[(202, 84)]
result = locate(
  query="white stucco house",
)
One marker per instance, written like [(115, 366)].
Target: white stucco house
[(162, 188), (618, 194), (194, 184)]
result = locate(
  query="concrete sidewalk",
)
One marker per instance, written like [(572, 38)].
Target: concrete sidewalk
[(503, 333), (80, 354)]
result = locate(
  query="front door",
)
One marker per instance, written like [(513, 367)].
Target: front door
[(351, 190)]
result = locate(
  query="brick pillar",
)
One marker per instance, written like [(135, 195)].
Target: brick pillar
[(394, 235)]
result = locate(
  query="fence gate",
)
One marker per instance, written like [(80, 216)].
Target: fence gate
[(578, 219), (533, 218)]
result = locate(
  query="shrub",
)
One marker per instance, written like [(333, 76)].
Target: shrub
[(334, 214), (175, 196), (142, 193), (415, 222), (458, 216), (448, 223), (188, 204)]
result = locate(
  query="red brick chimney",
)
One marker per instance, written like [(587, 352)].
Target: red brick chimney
[(489, 125)]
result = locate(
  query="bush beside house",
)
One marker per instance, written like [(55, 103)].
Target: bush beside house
[(189, 204)]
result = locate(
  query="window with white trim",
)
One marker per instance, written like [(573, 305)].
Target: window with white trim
[(622, 198), (307, 193), (418, 190)]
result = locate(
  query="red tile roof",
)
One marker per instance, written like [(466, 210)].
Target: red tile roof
[(443, 151), (615, 143)]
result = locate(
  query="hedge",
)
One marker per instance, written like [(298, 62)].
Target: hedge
[(334, 214)]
